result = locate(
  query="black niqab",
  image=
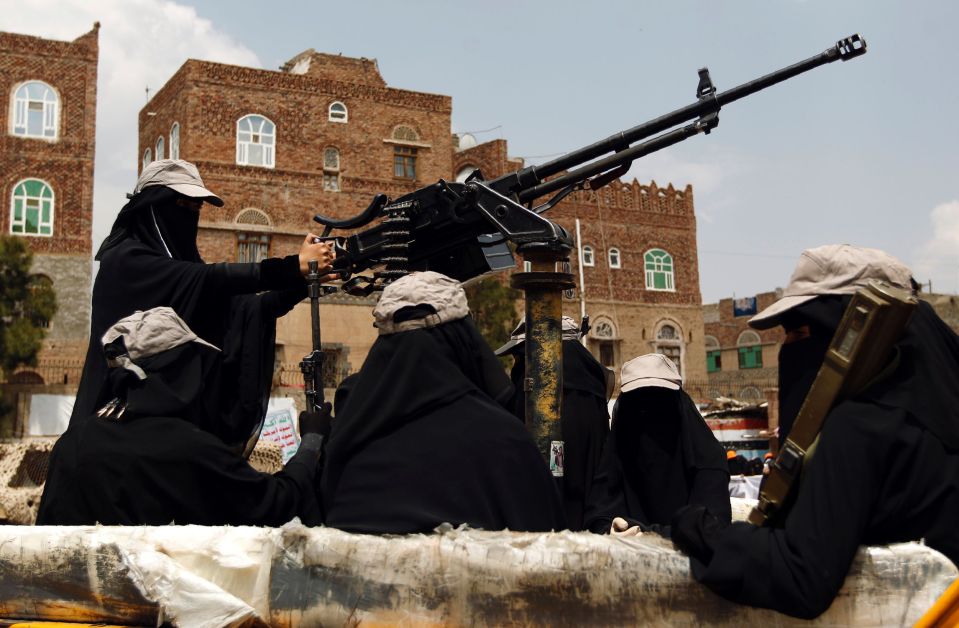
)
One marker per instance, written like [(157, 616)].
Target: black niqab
[(584, 421), (421, 441), (885, 470), (660, 456)]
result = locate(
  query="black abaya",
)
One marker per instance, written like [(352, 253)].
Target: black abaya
[(584, 421), (886, 469), (422, 441), (660, 456)]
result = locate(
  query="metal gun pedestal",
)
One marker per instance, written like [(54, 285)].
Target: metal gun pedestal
[(543, 383)]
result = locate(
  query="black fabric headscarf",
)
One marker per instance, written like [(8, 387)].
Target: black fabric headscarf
[(799, 361), (660, 456), (584, 422), (422, 441), (150, 259)]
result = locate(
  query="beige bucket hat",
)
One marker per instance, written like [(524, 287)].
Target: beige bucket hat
[(178, 175), (834, 269), (652, 369), (147, 333), (570, 331), (443, 294)]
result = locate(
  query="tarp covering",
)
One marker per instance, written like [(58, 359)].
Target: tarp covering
[(298, 576)]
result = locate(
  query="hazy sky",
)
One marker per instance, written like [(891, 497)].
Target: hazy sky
[(860, 152)]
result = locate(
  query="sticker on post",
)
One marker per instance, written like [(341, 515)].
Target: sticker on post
[(556, 458)]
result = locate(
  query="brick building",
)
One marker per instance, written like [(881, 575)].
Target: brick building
[(640, 265), (46, 176), (741, 362), (325, 133)]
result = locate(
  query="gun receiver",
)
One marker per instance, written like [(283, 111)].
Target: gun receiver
[(462, 229)]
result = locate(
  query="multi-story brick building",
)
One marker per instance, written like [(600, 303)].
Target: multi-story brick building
[(49, 91), (640, 272), (741, 362), (325, 133)]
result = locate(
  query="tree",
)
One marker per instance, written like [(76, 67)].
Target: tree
[(27, 304), (493, 307)]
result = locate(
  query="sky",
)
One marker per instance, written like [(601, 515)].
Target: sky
[(862, 152)]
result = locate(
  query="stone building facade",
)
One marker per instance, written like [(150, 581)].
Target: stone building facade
[(49, 91), (640, 269), (325, 133)]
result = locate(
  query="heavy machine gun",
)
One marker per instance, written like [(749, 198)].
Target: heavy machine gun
[(461, 229)]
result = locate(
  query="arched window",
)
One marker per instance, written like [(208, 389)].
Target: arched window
[(751, 393), (669, 342), (331, 169), (159, 147), (464, 173), (614, 259), (147, 158), (750, 351), (405, 133), (604, 330), (252, 246), (36, 111), (31, 208), (714, 355), (659, 270), (255, 141), (588, 259), (338, 112), (175, 141)]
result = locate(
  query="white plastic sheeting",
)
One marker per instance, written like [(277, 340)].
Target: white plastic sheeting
[(298, 576), (49, 414)]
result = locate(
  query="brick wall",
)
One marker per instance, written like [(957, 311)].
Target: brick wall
[(65, 164)]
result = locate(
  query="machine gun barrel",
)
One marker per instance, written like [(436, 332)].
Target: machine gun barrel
[(521, 182)]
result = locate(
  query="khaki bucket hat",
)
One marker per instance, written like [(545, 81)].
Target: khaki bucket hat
[(834, 269), (570, 331), (652, 369), (445, 295), (178, 175)]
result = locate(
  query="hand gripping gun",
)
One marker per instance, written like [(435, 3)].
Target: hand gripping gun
[(462, 229)]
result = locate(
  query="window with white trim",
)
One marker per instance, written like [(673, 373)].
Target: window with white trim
[(31, 208), (252, 246), (588, 259), (147, 158), (750, 350), (338, 112), (255, 141), (36, 111), (159, 148), (614, 258), (659, 270), (331, 169), (175, 141), (669, 342)]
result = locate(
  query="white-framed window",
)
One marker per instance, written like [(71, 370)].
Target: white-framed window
[(147, 158), (750, 350), (588, 258), (338, 112), (31, 208), (255, 141), (614, 259), (659, 270), (159, 148), (464, 173), (669, 342), (252, 246), (175, 141), (331, 169), (604, 333), (36, 111)]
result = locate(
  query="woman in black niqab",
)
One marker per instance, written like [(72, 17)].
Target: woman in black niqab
[(424, 440), (584, 421), (885, 469), (660, 456), (150, 259)]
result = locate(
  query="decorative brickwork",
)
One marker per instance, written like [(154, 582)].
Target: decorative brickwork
[(65, 164)]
